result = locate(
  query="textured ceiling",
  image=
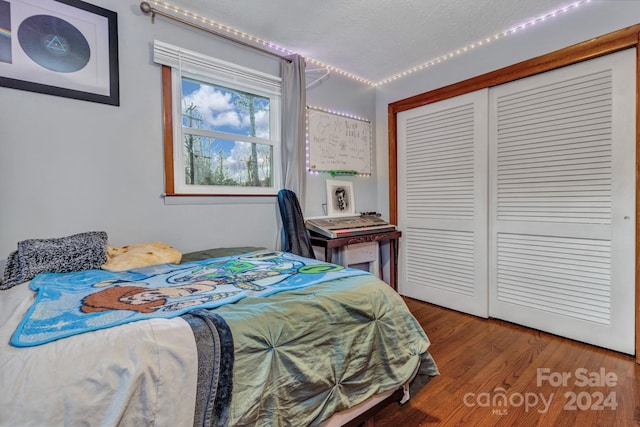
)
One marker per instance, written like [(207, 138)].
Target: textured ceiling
[(375, 39)]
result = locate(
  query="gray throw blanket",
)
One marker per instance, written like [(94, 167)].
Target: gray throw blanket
[(83, 251), (214, 343)]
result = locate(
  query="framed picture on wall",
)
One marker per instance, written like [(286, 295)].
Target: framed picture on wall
[(64, 48), (340, 198)]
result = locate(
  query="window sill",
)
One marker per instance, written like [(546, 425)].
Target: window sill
[(213, 199)]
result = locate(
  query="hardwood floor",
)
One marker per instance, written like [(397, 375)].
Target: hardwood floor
[(494, 373)]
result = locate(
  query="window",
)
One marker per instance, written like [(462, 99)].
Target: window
[(225, 136)]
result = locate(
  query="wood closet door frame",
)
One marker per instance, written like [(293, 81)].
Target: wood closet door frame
[(612, 42)]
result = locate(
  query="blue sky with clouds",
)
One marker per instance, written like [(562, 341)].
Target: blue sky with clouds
[(218, 109)]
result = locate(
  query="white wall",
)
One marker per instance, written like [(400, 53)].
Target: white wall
[(340, 94), (68, 166), (597, 18)]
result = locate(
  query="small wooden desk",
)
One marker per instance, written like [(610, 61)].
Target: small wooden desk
[(329, 244)]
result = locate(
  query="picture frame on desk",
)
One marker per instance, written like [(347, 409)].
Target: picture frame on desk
[(340, 198), (66, 48)]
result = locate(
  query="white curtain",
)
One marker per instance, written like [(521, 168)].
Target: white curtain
[(294, 102), (293, 145)]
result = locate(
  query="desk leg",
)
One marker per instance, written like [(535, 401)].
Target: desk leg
[(393, 264), (328, 252), (380, 264)]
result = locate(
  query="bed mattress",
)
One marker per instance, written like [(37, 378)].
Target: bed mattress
[(300, 355)]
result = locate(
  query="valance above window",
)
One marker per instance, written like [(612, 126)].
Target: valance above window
[(197, 63)]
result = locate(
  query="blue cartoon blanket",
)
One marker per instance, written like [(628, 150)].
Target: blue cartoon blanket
[(73, 303)]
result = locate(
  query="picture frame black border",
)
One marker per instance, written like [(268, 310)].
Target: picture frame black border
[(114, 79)]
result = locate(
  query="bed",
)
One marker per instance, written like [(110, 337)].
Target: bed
[(323, 354)]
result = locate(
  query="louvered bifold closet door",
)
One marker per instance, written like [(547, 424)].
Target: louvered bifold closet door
[(442, 197), (562, 201)]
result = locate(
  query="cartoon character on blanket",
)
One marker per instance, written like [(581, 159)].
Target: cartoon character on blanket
[(198, 285), (73, 303)]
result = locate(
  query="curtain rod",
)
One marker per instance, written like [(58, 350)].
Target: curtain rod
[(146, 8)]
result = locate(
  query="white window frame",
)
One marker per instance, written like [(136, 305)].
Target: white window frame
[(193, 65)]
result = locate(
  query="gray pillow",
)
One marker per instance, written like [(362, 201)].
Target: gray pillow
[(83, 251)]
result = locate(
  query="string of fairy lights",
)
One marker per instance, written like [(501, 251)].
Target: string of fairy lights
[(485, 41), (204, 21)]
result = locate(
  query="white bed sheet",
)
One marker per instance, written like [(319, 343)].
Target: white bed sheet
[(141, 373)]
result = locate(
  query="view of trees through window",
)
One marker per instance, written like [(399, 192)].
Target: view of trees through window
[(226, 136)]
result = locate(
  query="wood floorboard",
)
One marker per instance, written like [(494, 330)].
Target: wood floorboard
[(494, 373)]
